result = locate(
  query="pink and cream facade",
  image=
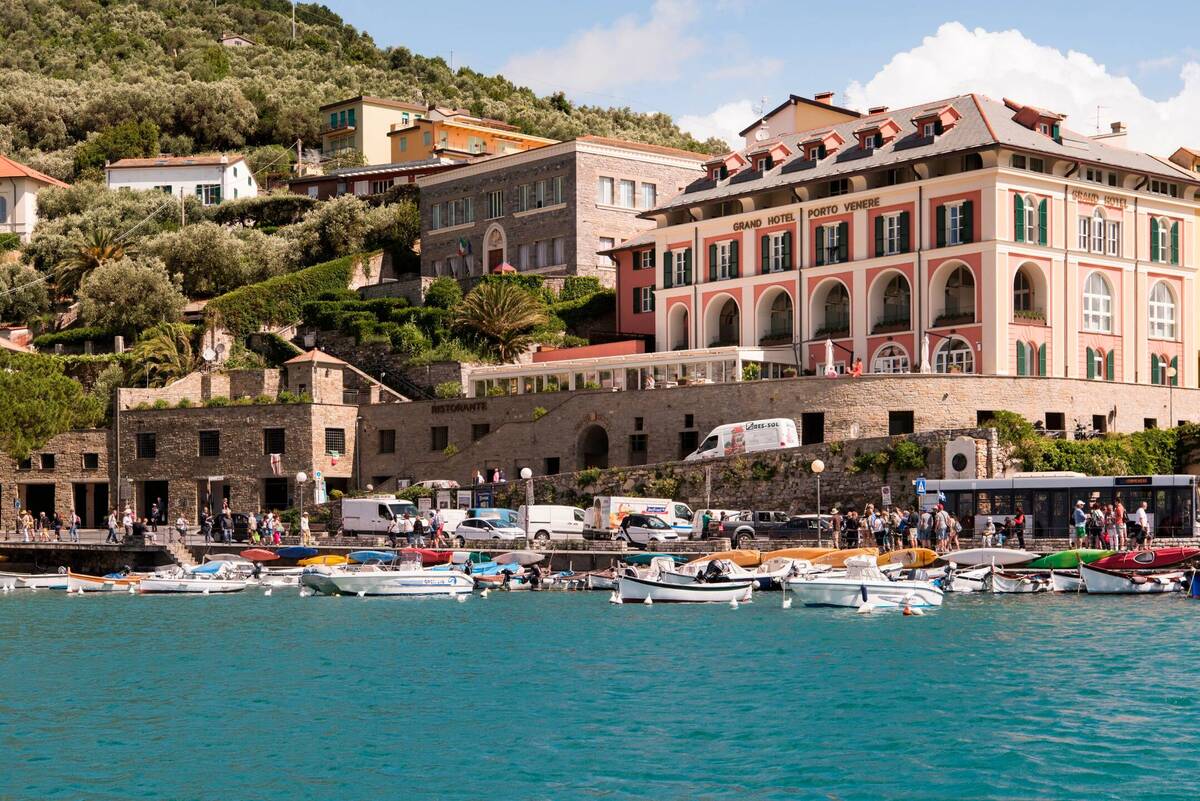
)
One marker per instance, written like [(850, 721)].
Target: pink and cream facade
[(966, 235)]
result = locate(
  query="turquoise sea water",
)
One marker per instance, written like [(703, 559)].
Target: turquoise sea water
[(564, 696)]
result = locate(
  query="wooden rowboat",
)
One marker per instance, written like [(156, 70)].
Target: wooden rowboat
[(1116, 582), (81, 582)]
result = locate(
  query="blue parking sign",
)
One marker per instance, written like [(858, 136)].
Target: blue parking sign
[(919, 484)]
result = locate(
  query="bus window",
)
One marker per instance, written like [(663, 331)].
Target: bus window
[(1002, 504), (983, 503)]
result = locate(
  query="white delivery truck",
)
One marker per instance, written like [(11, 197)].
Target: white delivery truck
[(607, 512), (752, 436), (372, 515), (546, 522)]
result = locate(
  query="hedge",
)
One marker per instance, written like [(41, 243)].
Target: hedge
[(9, 242), (279, 300), (72, 336), (267, 211), (576, 312)]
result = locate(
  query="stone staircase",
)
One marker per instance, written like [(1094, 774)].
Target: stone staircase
[(180, 553)]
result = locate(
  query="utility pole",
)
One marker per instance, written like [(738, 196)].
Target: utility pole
[(299, 156), (293, 21)]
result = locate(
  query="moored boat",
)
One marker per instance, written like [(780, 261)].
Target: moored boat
[(908, 557), (8, 581), (743, 557), (603, 580), (43, 581), (1099, 581), (864, 583), (190, 585), (81, 582), (1143, 560), (635, 589), (1001, 557), (1065, 581), (1009, 583), (807, 554), (407, 577), (1067, 560)]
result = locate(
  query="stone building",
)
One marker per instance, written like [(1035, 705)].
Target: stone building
[(71, 471), (547, 211)]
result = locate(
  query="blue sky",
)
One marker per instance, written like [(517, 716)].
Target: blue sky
[(709, 62)]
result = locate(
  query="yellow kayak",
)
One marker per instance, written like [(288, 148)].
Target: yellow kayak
[(326, 559), (908, 557), (838, 558), (808, 554), (742, 558)]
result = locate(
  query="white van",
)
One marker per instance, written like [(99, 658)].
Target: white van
[(752, 436), (546, 522), (607, 512), (372, 515)]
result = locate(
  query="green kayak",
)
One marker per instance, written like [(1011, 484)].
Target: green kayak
[(1064, 560)]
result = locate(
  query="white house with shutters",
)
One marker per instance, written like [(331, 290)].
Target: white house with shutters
[(211, 179)]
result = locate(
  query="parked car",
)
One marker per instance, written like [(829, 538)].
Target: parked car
[(478, 528), (715, 516), (545, 521), (645, 529), (752, 525)]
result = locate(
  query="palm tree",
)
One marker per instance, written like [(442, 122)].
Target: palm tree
[(503, 314), (91, 249), (164, 354)]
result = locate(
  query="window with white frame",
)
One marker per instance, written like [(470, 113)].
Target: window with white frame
[(1164, 188), (604, 259), (779, 256), (927, 131), (604, 191), (1022, 292), (1085, 231), (643, 260), (1031, 219), (560, 250), (954, 356), (1163, 234), (495, 204), (556, 189), (724, 263), (1097, 304), (890, 359), (679, 265), (625, 194), (1162, 312), (1098, 226), (1098, 371), (209, 194), (542, 248), (833, 241), (378, 187), (523, 257), (892, 243), (649, 196), (645, 299), (954, 224), (1114, 237)]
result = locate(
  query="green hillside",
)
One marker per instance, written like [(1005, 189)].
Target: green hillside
[(75, 70)]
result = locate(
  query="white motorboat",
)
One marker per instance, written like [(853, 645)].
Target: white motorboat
[(190, 584), (633, 589), (713, 571), (605, 580), (81, 582), (1065, 581), (954, 580), (1120, 582), (1001, 557), (8, 581), (1008, 583), (405, 578), (863, 584), (43, 581)]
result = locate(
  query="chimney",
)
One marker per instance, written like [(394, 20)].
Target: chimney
[(1118, 128), (877, 109), (824, 97), (1114, 137)]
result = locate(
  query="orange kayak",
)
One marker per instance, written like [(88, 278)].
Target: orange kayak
[(741, 558), (838, 558)]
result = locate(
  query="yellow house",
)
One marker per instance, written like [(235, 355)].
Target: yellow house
[(455, 135), (362, 123), (797, 114)]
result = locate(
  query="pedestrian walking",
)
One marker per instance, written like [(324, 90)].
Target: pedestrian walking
[(406, 529), (154, 517), (73, 528), (835, 527), (1141, 522), (57, 526), (181, 527), (112, 526), (305, 531)]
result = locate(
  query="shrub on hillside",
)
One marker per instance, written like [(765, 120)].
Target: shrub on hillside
[(130, 295), (443, 293)]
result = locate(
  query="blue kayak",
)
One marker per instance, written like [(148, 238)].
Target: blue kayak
[(296, 552), (371, 556)]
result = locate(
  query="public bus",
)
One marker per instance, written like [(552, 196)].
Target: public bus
[(1049, 498)]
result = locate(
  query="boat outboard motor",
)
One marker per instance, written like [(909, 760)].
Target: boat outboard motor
[(713, 572)]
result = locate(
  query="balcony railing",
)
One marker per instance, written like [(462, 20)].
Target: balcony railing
[(776, 337), (833, 331), (954, 318), (328, 129), (1029, 316), (891, 324)]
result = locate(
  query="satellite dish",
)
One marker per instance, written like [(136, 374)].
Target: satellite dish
[(208, 354)]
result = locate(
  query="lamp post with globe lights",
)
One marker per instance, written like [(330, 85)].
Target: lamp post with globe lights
[(301, 478), (818, 467), (527, 477)]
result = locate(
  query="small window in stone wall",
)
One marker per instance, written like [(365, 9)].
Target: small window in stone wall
[(274, 441), (335, 441), (689, 421), (25, 464), (551, 464), (638, 423), (480, 430), (210, 443), (1056, 421), (982, 416), (1149, 423), (91, 461), (900, 422), (812, 428), (147, 445), (439, 438), (387, 440), (47, 461), (637, 448), (688, 442)]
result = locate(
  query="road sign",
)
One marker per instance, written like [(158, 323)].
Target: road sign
[(886, 494), (16, 503), (919, 485)]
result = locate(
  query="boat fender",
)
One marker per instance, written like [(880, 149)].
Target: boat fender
[(862, 589)]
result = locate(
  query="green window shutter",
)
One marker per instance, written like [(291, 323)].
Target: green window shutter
[(787, 250), (1090, 355), (765, 245), (668, 273), (819, 239), (843, 242), (1043, 221), (733, 258), (653, 296), (879, 235), (941, 226), (687, 266), (1154, 377), (1110, 365), (637, 295), (1020, 358), (1174, 378), (712, 262), (1056, 131), (1175, 243), (1153, 239), (1018, 218), (968, 219), (904, 239), (1042, 359)]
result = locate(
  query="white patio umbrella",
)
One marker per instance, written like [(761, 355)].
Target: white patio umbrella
[(925, 368), (830, 370)]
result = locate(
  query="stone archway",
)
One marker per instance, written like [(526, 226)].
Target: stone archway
[(495, 245), (592, 447)]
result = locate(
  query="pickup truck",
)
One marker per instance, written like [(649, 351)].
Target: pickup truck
[(752, 525)]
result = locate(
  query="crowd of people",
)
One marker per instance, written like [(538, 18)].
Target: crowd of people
[(889, 528), (48, 528), (416, 528)]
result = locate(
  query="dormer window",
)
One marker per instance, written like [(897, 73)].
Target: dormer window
[(872, 141), (1044, 128), (763, 163), (928, 130), (718, 172), (816, 152)]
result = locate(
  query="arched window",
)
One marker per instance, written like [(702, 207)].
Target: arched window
[(897, 301), (1022, 292), (1162, 312), (1098, 225), (837, 309), (954, 356), (1097, 304), (960, 294), (890, 359), (780, 324), (1032, 235)]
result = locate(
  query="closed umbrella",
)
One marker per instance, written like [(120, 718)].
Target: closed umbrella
[(258, 555), (925, 368), (830, 370)]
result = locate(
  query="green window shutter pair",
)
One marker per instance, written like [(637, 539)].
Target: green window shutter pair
[(1090, 355), (1110, 365), (843, 242), (1041, 355), (1043, 221), (687, 266), (733, 259), (668, 272), (712, 262), (819, 239), (765, 247), (1154, 254), (1018, 218), (879, 235), (905, 246), (941, 226), (1021, 358), (1155, 370), (968, 218), (1175, 243)]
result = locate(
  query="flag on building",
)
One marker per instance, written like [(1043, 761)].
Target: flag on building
[(276, 464), (333, 457), (464, 246)]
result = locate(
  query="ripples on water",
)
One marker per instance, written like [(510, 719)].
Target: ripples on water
[(563, 696)]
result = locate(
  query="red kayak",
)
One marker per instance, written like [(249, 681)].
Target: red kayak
[(430, 557), (1140, 560)]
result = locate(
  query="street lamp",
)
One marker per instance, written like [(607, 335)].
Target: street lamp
[(301, 477), (818, 467), (1171, 373), (527, 477)]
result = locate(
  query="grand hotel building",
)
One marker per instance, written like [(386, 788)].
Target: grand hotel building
[(966, 235)]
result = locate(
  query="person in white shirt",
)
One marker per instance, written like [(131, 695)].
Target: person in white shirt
[(989, 534), (1143, 526)]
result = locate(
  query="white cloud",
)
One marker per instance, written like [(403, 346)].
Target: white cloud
[(625, 53), (999, 64), (754, 69), (724, 122)]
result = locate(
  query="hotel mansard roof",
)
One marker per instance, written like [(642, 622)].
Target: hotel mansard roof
[(983, 123)]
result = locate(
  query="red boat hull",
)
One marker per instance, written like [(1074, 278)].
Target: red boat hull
[(429, 556), (1143, 560)]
